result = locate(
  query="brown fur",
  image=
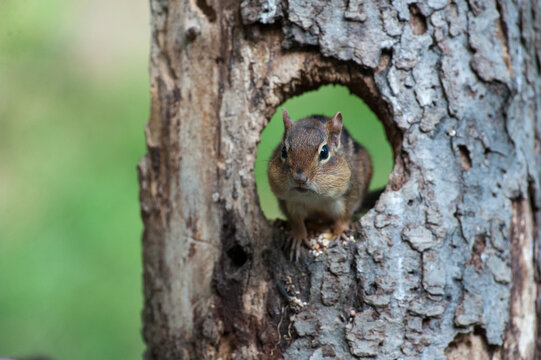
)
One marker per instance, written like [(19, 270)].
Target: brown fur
[(337, 185)]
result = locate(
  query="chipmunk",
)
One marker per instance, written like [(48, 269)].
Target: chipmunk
[(319, 174)]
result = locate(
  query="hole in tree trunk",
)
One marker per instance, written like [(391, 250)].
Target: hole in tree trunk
[(465, 157), (477, 252), (465, 345), (207, 9), (237, 255), (359, 120), (417, 20)]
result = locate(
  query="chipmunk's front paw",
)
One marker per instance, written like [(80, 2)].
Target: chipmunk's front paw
[(293, 246), (339, 228)]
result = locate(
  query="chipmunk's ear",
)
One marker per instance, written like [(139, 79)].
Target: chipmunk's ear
[(287, 120), (334, 127)]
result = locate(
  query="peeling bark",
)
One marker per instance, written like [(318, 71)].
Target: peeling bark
[(445, 264)]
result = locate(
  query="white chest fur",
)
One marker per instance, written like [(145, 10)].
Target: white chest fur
[(308, 205)]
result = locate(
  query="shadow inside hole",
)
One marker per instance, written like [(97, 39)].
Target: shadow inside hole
[(237, 255), (360, 121)]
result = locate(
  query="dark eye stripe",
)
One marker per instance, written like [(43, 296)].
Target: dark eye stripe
[(284, 152)]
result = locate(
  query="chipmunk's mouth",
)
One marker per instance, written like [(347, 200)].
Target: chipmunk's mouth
[(300, 189)]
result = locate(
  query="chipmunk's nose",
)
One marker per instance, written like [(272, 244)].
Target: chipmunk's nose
[(299, 177)]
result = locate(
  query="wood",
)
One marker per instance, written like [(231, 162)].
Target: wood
[(445, 264)]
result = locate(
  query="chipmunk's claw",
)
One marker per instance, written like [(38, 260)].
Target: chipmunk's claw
[(293, 247)]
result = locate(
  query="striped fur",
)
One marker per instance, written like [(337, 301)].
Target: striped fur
[(334, 187)]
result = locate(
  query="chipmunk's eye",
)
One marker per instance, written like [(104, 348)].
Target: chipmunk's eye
[(324, 152), (284, 152)]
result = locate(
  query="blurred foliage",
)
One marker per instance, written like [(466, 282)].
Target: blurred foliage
[(360, 121), (71, 135), (73, 104)]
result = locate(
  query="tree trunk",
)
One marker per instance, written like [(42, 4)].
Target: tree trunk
[(446, 263)]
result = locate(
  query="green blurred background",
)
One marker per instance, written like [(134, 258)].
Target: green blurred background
[(74, 99), (73, 104)]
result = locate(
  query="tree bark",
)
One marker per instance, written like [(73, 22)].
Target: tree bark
[(446, 263)]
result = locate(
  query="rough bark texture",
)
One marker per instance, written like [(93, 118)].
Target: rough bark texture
[(446, 264)]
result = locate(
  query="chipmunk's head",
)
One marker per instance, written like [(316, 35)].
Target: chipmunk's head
[(308, 162)]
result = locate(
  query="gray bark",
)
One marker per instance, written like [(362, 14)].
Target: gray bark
[(446, 263)]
